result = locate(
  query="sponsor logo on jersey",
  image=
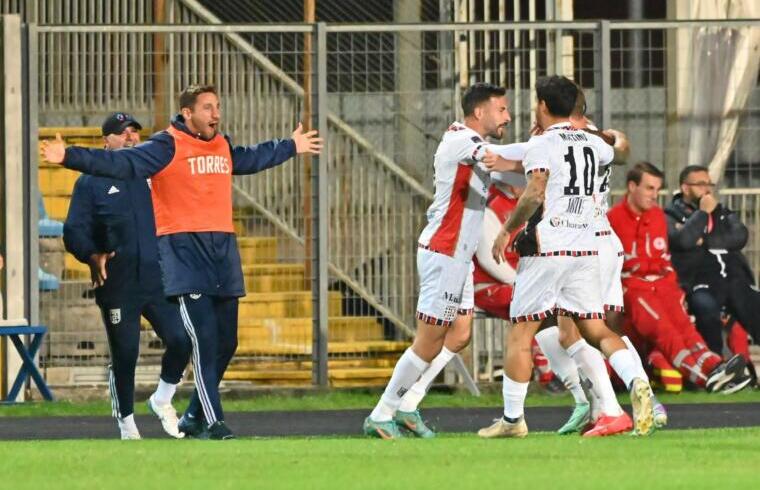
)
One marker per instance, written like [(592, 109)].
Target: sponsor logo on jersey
[(561, 222), (659, 243)]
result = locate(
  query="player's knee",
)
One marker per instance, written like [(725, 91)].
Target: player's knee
[(427, 351), (458, 341)]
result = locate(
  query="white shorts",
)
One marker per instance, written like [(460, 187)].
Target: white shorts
[(445, 288), (564, 285), (611, 258)]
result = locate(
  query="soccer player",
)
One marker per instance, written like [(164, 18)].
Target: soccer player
[(604, 416), (558, 270), (191, 164), (444, 260), (110, 227)]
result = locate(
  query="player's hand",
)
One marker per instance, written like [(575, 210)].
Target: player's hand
[(500, 245), (496, 163), (707, 203), (622, 145), (98, 268), (54, 151), (307, 142)]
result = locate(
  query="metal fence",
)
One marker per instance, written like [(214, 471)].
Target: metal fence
[(329, 244)]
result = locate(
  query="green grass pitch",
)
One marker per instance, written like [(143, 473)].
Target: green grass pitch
[(717, 458)]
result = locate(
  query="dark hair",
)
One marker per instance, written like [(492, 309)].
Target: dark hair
[(188, 96), (688, 170), (641, 168), (559, 93), (478, 94), (579, 109)]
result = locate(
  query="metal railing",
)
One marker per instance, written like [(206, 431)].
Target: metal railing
[(380, 143)]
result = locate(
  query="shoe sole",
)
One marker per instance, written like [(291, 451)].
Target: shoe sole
[(643, 415), (737, 387), (727, 376)]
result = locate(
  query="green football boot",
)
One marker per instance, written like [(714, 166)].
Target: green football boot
[(383, 430), (412, 421), (580, 417)]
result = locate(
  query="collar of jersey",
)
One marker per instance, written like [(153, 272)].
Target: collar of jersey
[(560, 125)]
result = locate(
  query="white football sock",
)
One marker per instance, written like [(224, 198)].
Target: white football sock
[(642, 373), (407, 371), (514, 397), (561, 363), (593, 398), (127, 424), (164, 392), (623, 363), (591, 362), (411, 400)]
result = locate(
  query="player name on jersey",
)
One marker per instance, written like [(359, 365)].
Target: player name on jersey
[(573, 137), (209, 164)]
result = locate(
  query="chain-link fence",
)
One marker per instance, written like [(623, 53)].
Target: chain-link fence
[(329, 244)]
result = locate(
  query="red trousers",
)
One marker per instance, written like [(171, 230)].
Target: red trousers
[(655, 316)]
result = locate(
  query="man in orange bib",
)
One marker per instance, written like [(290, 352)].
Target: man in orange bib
[(191, 166)]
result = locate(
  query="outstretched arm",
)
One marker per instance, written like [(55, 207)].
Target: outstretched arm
[(141, 161), (252, 159)]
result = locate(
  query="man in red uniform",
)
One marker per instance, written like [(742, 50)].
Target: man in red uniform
[(653, 299)]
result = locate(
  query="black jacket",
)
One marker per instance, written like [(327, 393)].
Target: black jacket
[(110, 215), (718, 256)]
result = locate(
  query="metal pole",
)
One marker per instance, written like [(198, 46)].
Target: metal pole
[(160, 103), (309, 9), (636, 12), (517, 57), (14, 202), (321, 215), (604, 76)]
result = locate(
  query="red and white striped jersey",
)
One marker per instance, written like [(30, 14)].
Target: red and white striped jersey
[(461, 188)]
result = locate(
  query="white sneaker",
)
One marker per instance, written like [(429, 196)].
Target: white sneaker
[(168, 417), (129, 432), (502, 428)]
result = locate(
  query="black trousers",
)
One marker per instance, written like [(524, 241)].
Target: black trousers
[(122, 322), (212, 323), (737, 297)]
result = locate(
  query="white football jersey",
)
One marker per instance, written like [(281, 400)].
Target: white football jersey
[(602, 196), (461, 188), (573, 158)]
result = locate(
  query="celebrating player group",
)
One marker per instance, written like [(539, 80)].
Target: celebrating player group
[(567, 290)]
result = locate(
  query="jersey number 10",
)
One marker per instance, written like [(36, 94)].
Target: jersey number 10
[(589, 172)]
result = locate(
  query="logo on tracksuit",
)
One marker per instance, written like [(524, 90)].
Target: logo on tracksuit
[(115, 315)]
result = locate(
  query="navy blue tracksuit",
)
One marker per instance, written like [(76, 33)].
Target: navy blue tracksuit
[(109, 215), (200, 270)]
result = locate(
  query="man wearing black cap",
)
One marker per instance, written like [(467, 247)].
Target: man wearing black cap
[(110, 227)]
